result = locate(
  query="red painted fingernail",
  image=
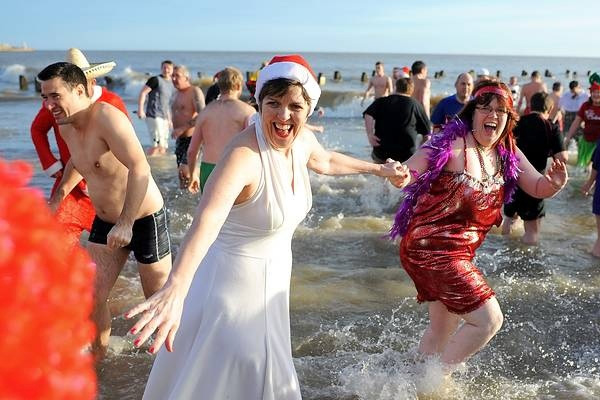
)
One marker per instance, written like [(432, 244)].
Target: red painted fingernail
[(136, 342), (152, 350), (133, 330)]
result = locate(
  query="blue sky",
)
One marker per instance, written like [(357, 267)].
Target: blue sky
[(547, 28)]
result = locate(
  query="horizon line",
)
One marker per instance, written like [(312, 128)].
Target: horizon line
[(333, 52)]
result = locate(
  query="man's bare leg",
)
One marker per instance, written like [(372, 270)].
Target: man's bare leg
[(508, 223), (154, 276), (109, 263), (532, 231)]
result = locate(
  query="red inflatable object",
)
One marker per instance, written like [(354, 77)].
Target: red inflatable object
[(46, 289)]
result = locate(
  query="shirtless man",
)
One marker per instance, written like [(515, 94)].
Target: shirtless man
[(216, 125), (529, 89), (130, 212), (76, 212), (188, 101), (380, 83), (422, 84), (555, 114)]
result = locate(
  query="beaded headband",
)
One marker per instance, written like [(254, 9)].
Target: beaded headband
[(494, 90)]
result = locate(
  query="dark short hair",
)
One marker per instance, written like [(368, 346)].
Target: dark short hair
[(169, 62), (535, 74), (405, 86), (556, 86), (71, 74), (540, 102), (417, 67), (573, 85), (279, 87)]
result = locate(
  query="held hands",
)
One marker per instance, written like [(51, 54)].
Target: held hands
[(396, 172), (557, 175), (119, 236), (160, 313)]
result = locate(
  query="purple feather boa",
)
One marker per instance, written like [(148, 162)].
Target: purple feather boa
[(440, 149)]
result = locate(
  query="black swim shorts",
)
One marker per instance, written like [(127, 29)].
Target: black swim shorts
[(150, 241), (181, 148), (527, 207)]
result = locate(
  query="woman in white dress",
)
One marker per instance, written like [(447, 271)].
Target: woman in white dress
[(230, 339)]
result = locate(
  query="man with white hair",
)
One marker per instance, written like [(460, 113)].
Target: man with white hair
[(76, 212), (187, 102)]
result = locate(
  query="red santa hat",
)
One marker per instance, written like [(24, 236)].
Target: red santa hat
[(295, 67)]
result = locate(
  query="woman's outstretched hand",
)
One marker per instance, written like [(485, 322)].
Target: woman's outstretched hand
[(161, 313), (557, 174), (397, 173)]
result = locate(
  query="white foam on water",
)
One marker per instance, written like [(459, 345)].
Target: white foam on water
[(11, 73)]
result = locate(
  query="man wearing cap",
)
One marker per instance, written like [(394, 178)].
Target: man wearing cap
[(449, 106), (130, 212), (76, 212), (157, 112), (529, 89), (482, 75)]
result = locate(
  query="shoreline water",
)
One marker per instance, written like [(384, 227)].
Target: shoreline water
[(355, 321)]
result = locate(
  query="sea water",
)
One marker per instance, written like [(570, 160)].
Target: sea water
[(355, 321)]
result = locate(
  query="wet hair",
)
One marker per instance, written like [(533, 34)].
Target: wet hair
[(279, 87), (183, 69), (417, 67), (230, 78), (405, 86), (468, 111), (71, 74), (541, 102), (556, 86)]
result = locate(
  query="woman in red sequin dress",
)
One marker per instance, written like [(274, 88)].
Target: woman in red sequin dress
[(460, 179)]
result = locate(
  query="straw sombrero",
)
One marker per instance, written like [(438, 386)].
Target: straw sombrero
[(75, 56)]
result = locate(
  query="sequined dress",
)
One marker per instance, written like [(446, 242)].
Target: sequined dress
[(449, 223)]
